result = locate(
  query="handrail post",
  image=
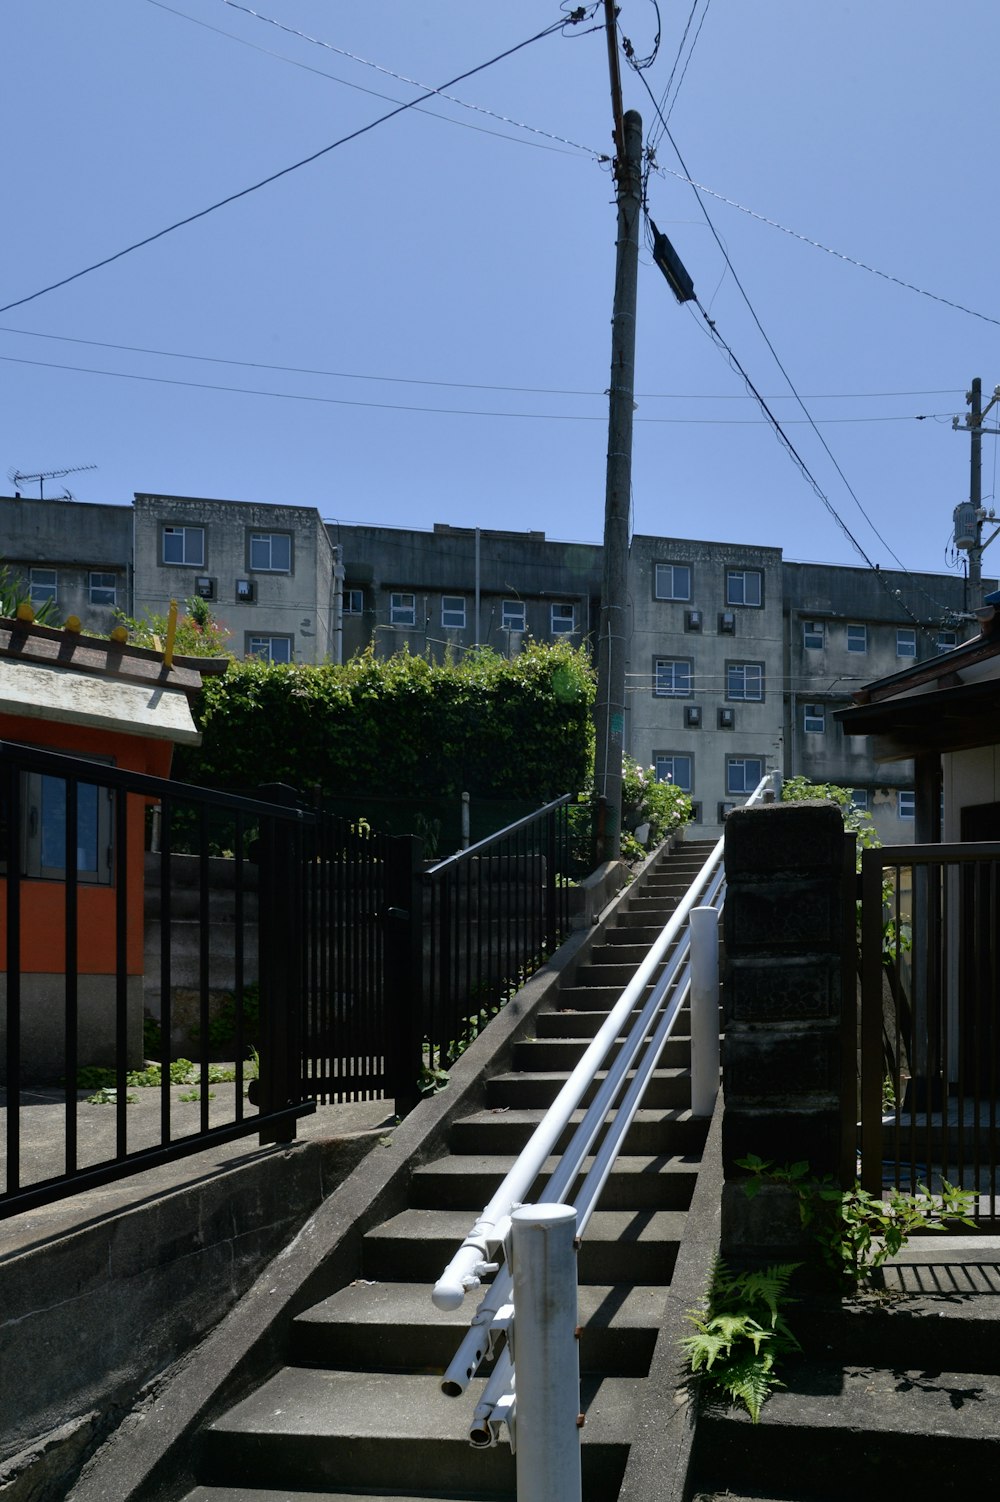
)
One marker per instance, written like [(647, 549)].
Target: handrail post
[(704, 1010), (547, 1418)]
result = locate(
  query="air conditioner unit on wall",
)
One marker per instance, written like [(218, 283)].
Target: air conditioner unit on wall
[(244, 590), (205, 587), (692, 717), (727, 623), (727, 719)]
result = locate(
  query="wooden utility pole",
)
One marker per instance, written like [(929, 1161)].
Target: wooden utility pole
[(609, 709)]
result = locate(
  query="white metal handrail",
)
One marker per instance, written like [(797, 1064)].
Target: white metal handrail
[(478, 1254)]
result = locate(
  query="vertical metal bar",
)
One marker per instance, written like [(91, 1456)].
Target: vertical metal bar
[(547, 1454), (120, 878), (204, 953), (239, 966), (71, 1018), (704, 927), (551, 921), (15, 835), (871, 1020), (848, 1013), (166, 946)]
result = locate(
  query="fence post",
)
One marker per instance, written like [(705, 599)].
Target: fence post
[(547, 1354), (551, 861), (704, 925), (403, 967), (280, 966)]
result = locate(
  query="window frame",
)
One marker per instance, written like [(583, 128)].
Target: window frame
[(348, 607), (852, 646), (105, 589), (734, 665), (674, 593), (744, 575), (733, 761), (270, 637), (811, 629), (909, 632), (400, 614), (269, 536), (687, 663), (449, 604), (673, 757), (947, 646), (42, 593), (512, 611), (906, 803), (562, 629), (861, 799), (183, 529), (817, 714)]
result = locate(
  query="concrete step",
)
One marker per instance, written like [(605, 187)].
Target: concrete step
[(564, 1053), (617, 975), (306, 1430), (652, 1132), (595, 997), (394, 1326), (254, 1494), (619, 1245), (644, 937), (856, 1431), (635, 1182), (667, 1087)]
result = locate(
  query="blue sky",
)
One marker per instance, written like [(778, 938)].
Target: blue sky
[(448, 276)]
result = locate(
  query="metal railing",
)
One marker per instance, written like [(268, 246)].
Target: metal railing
[(74, 887), (930, 1020), (667, 969), (493, 914)]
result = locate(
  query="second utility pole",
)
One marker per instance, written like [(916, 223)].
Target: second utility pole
[(609, 708)]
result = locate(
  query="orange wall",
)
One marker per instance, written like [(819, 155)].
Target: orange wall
[(43, 902)]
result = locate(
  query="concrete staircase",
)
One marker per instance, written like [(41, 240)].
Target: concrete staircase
[(356, 1407)]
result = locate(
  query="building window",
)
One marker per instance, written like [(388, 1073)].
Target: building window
[(743, 773), (354, 601), (563, 620), (673, 581), (669, 767), (453, 612), (814, 719), (270, 648), (402, 610), (744, 586), (45, 848), (184, 545), (512, 615), (906, 642), (271, 552), (103, 589), (813, 634), (859, 797), (745, 681), (672, 677), (857, 638), (946, 640), (42, 584), (906, 804)]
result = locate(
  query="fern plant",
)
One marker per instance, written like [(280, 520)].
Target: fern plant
[(741, 1333)]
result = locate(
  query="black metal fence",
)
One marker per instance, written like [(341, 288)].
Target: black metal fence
[(930, 1019), (296, 957)]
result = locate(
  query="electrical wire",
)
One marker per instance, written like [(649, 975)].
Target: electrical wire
[(354, 375), (294, 62), (282, 172)]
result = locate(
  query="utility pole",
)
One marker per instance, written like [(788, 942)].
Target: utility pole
[(609, 708), (969, 517)]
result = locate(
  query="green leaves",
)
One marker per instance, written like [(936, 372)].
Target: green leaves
[(741, 1333)]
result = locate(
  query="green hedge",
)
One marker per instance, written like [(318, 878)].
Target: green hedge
[(487, 726)]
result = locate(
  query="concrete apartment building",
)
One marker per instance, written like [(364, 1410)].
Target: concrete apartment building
[(737, 658)]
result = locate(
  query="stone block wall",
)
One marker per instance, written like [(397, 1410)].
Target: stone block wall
[(788, 1052)]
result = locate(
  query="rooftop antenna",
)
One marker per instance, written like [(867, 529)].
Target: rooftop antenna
[(17, 479)]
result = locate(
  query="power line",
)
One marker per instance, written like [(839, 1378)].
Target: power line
[(343, 401), (295, 62), (354, 375), (284, 171)]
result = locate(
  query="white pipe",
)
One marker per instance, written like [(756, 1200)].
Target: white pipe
[(704, 927), (547, 1453), (472, 1259)]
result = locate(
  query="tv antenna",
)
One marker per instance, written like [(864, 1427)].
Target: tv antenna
[(17, 479)]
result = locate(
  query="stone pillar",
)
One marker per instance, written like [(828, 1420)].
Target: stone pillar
[(789, 1048)]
